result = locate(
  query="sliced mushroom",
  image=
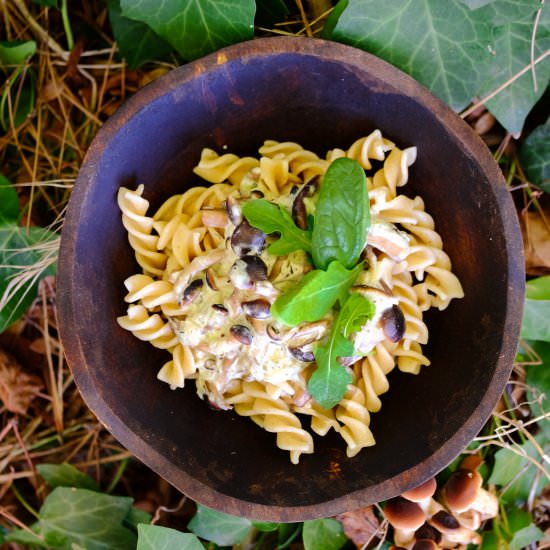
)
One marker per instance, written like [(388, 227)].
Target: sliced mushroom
[(242, 334), (214, 217), (211, 279), (307, 333), (274, 333), (247, 240), (200, 263), (257, 309), (393, 323), (234, 211), (304, 355), (348, 361), (220, 308), (191, 292), (246, 271), (299, 212), (386, 238)]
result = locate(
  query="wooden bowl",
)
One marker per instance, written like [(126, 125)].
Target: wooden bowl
[(322, 95)]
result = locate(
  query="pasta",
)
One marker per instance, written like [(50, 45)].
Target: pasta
[(208, 283)]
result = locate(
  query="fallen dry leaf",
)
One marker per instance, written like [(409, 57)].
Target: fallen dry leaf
[(360, 526), (536, 239), (17, 388)]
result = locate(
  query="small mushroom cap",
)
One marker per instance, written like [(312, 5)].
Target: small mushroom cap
[(425, 544), (461, 489), (444, 522), (404, 514), (422, 492)]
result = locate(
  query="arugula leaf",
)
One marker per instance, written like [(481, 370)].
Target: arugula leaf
[(272, 218), (315, 294), (342, 216), (357, 310), (328, 383)]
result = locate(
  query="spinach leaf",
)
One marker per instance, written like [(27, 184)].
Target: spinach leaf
[(328, 383), (272, 218), (315, 294), (342, 216)]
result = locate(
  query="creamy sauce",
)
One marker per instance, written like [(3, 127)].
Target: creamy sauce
[(229, 345)]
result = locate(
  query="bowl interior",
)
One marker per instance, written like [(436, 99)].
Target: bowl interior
[(323, 96)]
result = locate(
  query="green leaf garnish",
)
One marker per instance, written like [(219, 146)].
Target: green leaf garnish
[(272, 218), (342, 216), (328, 383), (315, 294)]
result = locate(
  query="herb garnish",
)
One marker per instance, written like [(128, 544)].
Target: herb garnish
[(315, 294), (272, 218), (328, 383), (342, 216), (339, 235)]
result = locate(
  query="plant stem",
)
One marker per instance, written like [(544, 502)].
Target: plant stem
[(67, 25), (118, 475), (25, 504)]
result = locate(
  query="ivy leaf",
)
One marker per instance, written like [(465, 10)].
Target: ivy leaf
[(536, 313), (475, 4), (195, 27), (534, 155), (315, 294), (22, 251), (136, 516), (266, 526), (222, 529), (272, 218), (538, 379), (269, 12), (342, 215), (440, 44), (521, 530), (511, 47), (323, 534), (26, 537), (16, 52), (86, 518), (517, 472), (9, 202), (137, 42), (66, 475), (155, 537)]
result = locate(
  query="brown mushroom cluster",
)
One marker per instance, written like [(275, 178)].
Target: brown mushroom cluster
[(426, 519)]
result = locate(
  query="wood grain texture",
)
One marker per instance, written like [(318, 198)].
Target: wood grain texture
[(322, 95)]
